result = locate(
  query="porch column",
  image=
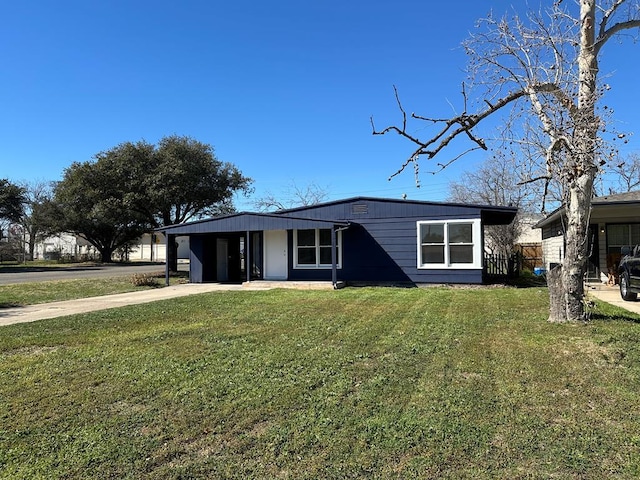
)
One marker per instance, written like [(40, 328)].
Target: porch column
[(334, 258), (167, 238), (247, 256)]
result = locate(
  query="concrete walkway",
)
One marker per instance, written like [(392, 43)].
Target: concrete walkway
[(31, 313), (611, 294), (43, 311)]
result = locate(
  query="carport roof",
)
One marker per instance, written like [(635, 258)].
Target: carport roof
[(247, 221)]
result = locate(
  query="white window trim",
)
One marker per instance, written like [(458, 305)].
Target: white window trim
[(317, 266), (476, 232)]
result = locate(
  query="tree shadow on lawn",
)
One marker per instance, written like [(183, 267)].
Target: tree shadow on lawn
[(603, 317)]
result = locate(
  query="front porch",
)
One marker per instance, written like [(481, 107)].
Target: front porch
[(296, 285)]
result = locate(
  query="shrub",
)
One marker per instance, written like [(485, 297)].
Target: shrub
[(144, 280)]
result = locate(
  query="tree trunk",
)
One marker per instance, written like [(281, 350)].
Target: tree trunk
[(557, 310), (580, 174), (574, 264), (32, 248), (105, 254)]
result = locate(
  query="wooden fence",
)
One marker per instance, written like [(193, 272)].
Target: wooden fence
[(527, 257)]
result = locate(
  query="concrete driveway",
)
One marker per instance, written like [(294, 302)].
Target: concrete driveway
[(611, 294)]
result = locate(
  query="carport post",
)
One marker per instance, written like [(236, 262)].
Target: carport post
[(334, 258), (247, 256), (166, 259)]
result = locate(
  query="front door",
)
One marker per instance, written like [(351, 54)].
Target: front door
[(275, 255), (222, 259)]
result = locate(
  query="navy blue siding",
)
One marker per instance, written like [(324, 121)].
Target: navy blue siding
[(196, 258), (383, 251), (380, 244)]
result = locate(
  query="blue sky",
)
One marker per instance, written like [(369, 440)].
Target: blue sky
[(282, 89)]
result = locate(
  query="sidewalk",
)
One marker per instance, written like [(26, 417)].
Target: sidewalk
[(611, 294), (31, 313)]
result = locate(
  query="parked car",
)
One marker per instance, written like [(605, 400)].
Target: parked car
[(629, 273)]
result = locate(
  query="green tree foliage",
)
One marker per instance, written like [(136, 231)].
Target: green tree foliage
[(12, 200), (135, 187), (187, 181), (94, 200)]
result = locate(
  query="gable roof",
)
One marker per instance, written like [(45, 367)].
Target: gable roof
[(491, 214), (325, 215)]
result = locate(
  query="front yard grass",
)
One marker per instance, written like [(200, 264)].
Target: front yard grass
[(32, 293), (358, 383)]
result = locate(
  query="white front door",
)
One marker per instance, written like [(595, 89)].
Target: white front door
[(275, 255)]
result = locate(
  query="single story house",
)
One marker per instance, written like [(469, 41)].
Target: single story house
[(151, 247), (613, 224), (359, 240)]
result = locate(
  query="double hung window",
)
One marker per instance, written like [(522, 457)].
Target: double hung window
[(313, 248), (449, 244)]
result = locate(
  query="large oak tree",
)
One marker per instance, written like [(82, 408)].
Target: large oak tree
[(542, 71), (136, 187), (12, 200)]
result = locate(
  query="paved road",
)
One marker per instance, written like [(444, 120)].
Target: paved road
[(9, 275)]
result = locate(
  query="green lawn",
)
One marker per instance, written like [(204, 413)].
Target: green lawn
[(54, 291), (358, 383)]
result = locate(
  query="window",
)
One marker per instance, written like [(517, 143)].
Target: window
[(449, 244), (313, 248), (622, 235)]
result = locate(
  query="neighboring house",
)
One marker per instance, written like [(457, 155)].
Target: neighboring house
[(151, 247), (65, 245), (614, 223), (359, 241)]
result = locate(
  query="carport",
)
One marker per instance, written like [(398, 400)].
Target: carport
[(245, 246)]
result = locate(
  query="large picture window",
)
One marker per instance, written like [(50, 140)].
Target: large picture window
[(313, 248), (449, 244)]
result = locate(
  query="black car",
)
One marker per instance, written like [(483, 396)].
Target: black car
[(629, 272)]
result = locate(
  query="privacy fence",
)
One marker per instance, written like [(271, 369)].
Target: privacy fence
[(526, 257)]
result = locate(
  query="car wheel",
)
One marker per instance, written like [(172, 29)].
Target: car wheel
[(624, 288)]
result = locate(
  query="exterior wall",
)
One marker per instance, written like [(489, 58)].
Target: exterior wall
[(553, 250), (382, 246), (379, 238), (153, 248), (61, 246), (529, 235)]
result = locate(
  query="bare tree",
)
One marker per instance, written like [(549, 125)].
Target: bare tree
[(541, 72), (626, 173), (497, 182), (292, 196), (34, 222)]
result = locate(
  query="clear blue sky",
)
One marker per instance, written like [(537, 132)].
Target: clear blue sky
[(283, 89)]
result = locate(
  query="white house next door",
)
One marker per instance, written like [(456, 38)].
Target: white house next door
[(275, 255)]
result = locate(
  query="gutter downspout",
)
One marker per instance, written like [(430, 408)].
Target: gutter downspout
[(166, 260), (334, 256)]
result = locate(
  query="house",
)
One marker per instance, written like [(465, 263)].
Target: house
[(359, 240), (63, 246), (151, 247), (614, 223)]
